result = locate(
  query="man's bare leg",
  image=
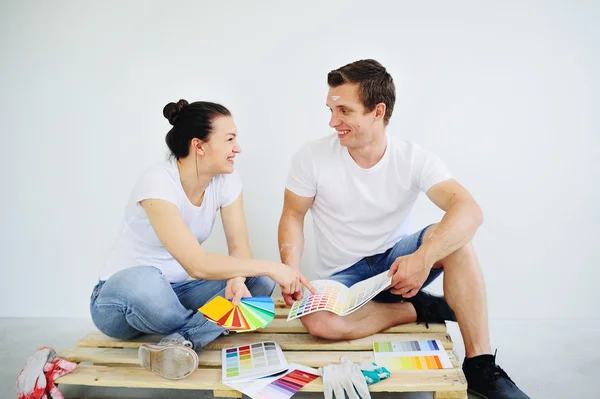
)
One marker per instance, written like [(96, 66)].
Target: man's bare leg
[(370, 319), (464, 290)]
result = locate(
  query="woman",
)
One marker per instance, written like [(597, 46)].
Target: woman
[(144, 286)]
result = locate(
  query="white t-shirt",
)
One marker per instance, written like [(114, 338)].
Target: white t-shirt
[(360, 212), (138, 245)]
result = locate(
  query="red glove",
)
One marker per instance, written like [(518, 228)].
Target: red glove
[(36, 380)]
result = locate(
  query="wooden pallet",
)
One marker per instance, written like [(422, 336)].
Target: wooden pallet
[(104, 361)]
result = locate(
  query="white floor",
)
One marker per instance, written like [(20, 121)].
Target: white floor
[(547, 359)]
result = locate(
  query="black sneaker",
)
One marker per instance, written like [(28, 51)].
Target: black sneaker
[(487, 380), (431, 308)]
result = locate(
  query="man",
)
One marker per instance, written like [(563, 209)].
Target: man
[(361, 185)]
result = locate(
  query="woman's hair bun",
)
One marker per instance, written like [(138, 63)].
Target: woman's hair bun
[(172, 110)]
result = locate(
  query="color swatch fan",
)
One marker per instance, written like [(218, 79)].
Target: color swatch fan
[(250, 314)]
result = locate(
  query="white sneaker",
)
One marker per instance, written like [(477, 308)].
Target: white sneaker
[(169, 360)]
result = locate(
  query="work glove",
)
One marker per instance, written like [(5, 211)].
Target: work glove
[(373, 373), (344, 377), (36, 380)]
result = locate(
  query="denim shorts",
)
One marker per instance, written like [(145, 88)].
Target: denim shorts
[(376, 264)]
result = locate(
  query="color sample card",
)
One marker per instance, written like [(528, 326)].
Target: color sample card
[(287, 385), (251, 314), (411, 355), (281, 386), (252, 361), (216, 308), (408, 346), (335, 297)]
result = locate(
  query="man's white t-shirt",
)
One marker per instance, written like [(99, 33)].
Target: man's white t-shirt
[(360, 212), (138, 245)]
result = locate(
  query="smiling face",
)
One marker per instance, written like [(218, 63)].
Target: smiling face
[(219, 151), (355, 126)]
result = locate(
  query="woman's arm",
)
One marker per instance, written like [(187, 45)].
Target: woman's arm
[(236, 232), (175, 236)]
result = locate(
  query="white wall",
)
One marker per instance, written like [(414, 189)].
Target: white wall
[(506, 94)]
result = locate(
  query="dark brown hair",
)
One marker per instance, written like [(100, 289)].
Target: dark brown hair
[(375, 84), (190, 121)]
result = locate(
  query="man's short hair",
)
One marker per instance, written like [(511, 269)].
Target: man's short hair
[(375, 84)]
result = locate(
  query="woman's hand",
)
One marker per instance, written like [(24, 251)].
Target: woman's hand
[(290, 280), (236, 290)]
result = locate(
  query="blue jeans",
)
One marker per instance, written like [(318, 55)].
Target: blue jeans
[(376, 264), (139, 300)]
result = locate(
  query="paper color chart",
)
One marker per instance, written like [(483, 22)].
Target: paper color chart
[(411, 355), (251, 361), (254, 388), (286, 386), (337, 298), (366, 290), (407, 346), (327, 298)]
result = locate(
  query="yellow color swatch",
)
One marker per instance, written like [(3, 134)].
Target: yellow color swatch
[(216, 308)]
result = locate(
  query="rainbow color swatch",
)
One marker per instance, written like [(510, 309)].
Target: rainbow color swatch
[(277, 386), (411, 355), (337, 298), (252, 361), (251, 314), (287, 385)]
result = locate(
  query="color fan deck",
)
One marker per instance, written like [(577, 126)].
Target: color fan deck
[(108, 362)]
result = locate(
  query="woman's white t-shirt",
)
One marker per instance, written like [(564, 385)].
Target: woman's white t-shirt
[(138, 245)]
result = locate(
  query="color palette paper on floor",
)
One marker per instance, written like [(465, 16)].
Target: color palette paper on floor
[(252, 361), (282, 386), (250, 314), (287, 385), (411, 355), (337, 298)]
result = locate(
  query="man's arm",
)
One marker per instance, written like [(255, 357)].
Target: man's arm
[(291, 234), (462, 218), (456, 229), (291, 228)]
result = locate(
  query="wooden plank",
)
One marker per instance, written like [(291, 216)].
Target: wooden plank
[(228, 394), (286, 341), (281, 313), (309, 342), (449, 380), (279, 303), (296, 326), (212, 358), (462, 394), (101, 355)]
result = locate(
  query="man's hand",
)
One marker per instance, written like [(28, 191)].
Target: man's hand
[(409, 273), (236, 290)]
